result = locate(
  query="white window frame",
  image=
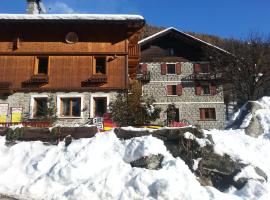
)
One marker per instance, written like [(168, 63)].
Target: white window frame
[(58, 105), (32, 103), (92, 101), (174, 68)]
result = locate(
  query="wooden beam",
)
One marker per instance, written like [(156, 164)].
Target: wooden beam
[(62, 53)]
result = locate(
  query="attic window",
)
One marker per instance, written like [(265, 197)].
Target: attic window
[(171, 51), (72, 38)]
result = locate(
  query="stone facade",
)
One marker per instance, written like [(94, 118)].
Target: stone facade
[(188, 103), (25, 101)]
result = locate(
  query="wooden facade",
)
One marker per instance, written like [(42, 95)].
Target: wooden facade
[(71, 66)]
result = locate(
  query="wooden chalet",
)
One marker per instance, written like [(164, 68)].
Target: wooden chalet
[(83, 60)]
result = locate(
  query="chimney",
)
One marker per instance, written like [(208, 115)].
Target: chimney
[(35, 7)]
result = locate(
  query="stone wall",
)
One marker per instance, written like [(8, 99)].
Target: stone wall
[(23, 100), (188, 103)]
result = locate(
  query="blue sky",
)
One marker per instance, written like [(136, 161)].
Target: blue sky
[(225, 18)]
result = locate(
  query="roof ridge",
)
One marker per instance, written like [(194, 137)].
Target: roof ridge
[(186, 34)]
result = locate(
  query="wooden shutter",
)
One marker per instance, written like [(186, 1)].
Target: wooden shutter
[(179, 89), (197, 68), (144, 68), (169, 90), (178, 68), (213, 89), (198, 90), (202, 114), (212, 112), (163, 69)]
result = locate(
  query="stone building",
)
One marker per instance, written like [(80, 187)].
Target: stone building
[(175, 69), (75, 63)]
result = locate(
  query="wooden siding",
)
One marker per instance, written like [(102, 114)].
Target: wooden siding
[(65, 72), (69, 64)]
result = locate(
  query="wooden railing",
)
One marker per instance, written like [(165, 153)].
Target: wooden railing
[(36, 81), (39, 78), (95, 80), (207, 76), (134, 50), (29, 124)]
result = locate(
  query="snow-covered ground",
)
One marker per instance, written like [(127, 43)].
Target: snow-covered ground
[(98, 168)]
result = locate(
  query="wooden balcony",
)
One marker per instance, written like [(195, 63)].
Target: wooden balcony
[(37, 80), (144, 78), (95, 80), (5, 88), (134, 51)]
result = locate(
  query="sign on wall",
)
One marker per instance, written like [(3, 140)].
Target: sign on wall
[(3, 112), (16, 114), (98, 122)]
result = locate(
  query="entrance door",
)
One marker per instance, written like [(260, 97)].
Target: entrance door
[(177, 115), (100, 106)]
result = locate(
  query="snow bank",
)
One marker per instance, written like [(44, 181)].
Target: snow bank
[(262, 114), (97, 168), (251, 151)]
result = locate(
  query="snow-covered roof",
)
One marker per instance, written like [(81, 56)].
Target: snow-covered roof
[(164, 32), (63, 17)]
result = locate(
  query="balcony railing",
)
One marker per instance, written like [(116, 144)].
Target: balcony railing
[(207, 76), (95, 80), (36, 81), (144, 77), (40, 78)]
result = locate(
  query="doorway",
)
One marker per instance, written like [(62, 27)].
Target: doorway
[(100, 106)]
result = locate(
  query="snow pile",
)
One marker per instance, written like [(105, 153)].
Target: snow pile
[(244, 115), (251, 151), (97, 168)]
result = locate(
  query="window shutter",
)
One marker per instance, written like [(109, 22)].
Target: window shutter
[(212, 113), (179, 89), (213, 89), (144, 68), (198, 90), (178, 68), (197, 68), (202, 114), (163, 69), (169, 89)]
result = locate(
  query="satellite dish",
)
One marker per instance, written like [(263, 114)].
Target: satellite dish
[(72, 38)]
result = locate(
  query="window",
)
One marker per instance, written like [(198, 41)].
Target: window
[(207, 114), (204, 68), (42, 65), (100, 66), (171, 89), (100, 106), (171, 51), (206, 90), (40, 107), (70, 107), (171, 69), (201, 68)]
